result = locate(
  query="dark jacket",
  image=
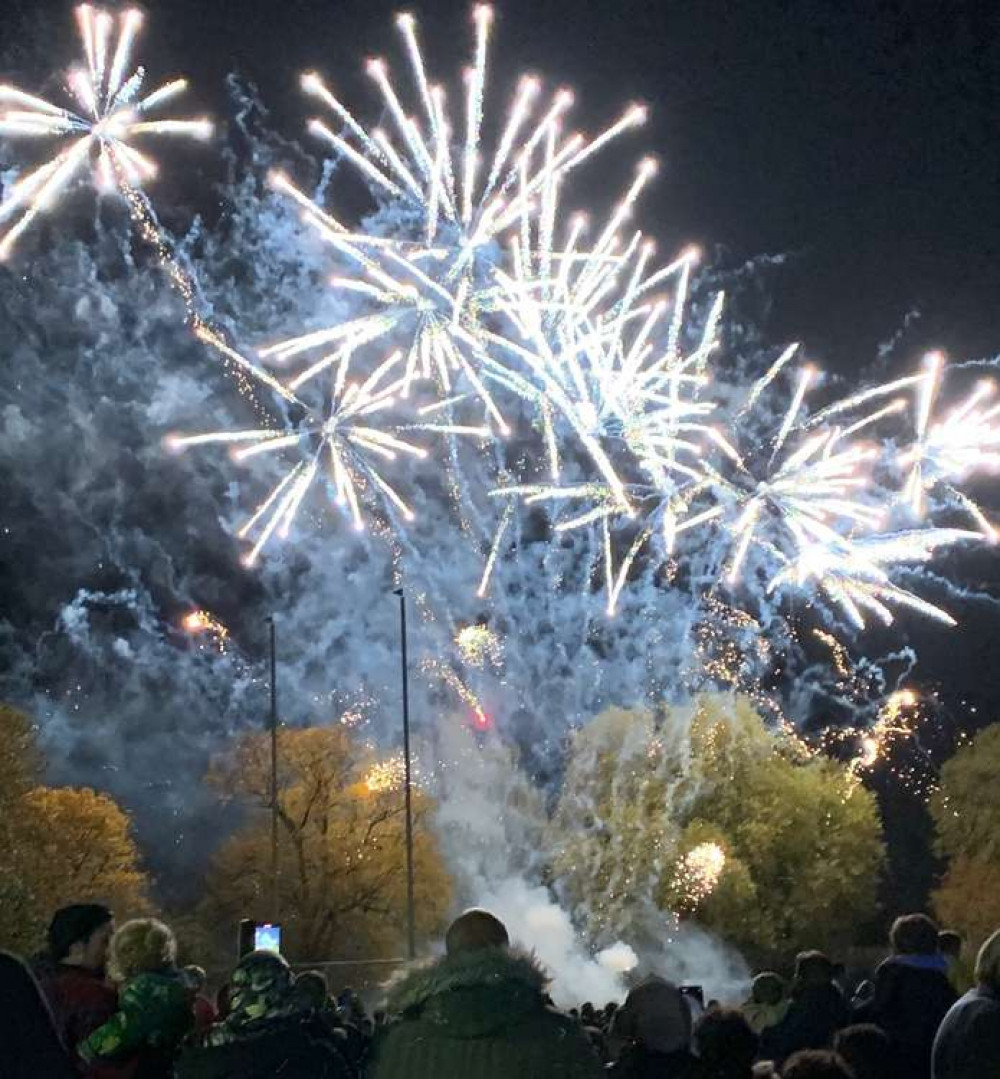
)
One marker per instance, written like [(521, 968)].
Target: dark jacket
[(815, 1014), (967, 1045), (480, 1014), (287, 1047), (153, 1018), (639, 1063), (912, 996), (29, 1045)]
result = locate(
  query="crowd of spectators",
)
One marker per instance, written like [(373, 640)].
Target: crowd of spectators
[(107, 1003)]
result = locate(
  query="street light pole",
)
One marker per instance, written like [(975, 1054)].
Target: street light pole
[(411, 929), (274, 768)]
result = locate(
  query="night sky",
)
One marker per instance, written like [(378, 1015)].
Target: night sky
[(858, 135), (861, 138)]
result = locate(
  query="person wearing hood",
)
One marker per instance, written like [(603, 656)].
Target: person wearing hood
[(768, 1003), (479, 1011), (268, 1031), (816, 1012), (967, 1045), (912, 994), (31, 1047), (72, 975), (653, 1027), (155, 1003)]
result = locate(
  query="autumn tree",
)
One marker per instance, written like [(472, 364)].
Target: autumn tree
[(966, 812), (802, 843), (78, 844), (342, 856), (57, 845), (20, 765)]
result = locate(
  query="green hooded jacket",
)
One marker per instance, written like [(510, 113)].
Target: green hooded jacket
[(154, 1015), (480, 1015)]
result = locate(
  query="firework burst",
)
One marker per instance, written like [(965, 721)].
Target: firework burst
[(109, 112), (387, 775), (342, 440), (433, 284), (816, 512), (602, 357), (697, 874), (948, 450)]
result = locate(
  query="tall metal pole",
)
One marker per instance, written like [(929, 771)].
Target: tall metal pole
[(411, 928), (274, 771)]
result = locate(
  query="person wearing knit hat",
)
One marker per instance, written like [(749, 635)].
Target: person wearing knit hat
[(479, 1010), (71, 972)]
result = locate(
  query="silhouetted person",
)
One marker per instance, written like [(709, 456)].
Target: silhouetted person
[(202, 1008), (768, 1003), (72, 972), (479, 1011), (866, 1050), (725, 1043), (29, 1045), (912, 994), (815, 1064), (952, 947), (817, 1010), (967, 1045), (653, 1028)]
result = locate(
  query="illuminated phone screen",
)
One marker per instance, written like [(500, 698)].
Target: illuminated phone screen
[(267, 938)]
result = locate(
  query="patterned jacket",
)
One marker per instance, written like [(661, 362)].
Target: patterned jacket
[(154, 1016)]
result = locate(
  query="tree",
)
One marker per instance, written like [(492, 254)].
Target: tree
[(57, 846), (79, 847), (969, 897), (20, 765), (802, 844), (966, 812), (342, 861), (966, 806)]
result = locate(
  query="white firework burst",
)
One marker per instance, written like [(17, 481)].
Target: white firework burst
[(109, 113), (343, 440), (603, 358), (433, 286), (948, 450)]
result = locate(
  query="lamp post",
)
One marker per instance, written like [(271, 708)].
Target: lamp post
[(411, 931), (274, 767)]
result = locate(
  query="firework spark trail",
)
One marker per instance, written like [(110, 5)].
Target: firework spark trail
[(946, 451), (894, 723), (202, 621), (436, 289), (341, 440), (107, 115)]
